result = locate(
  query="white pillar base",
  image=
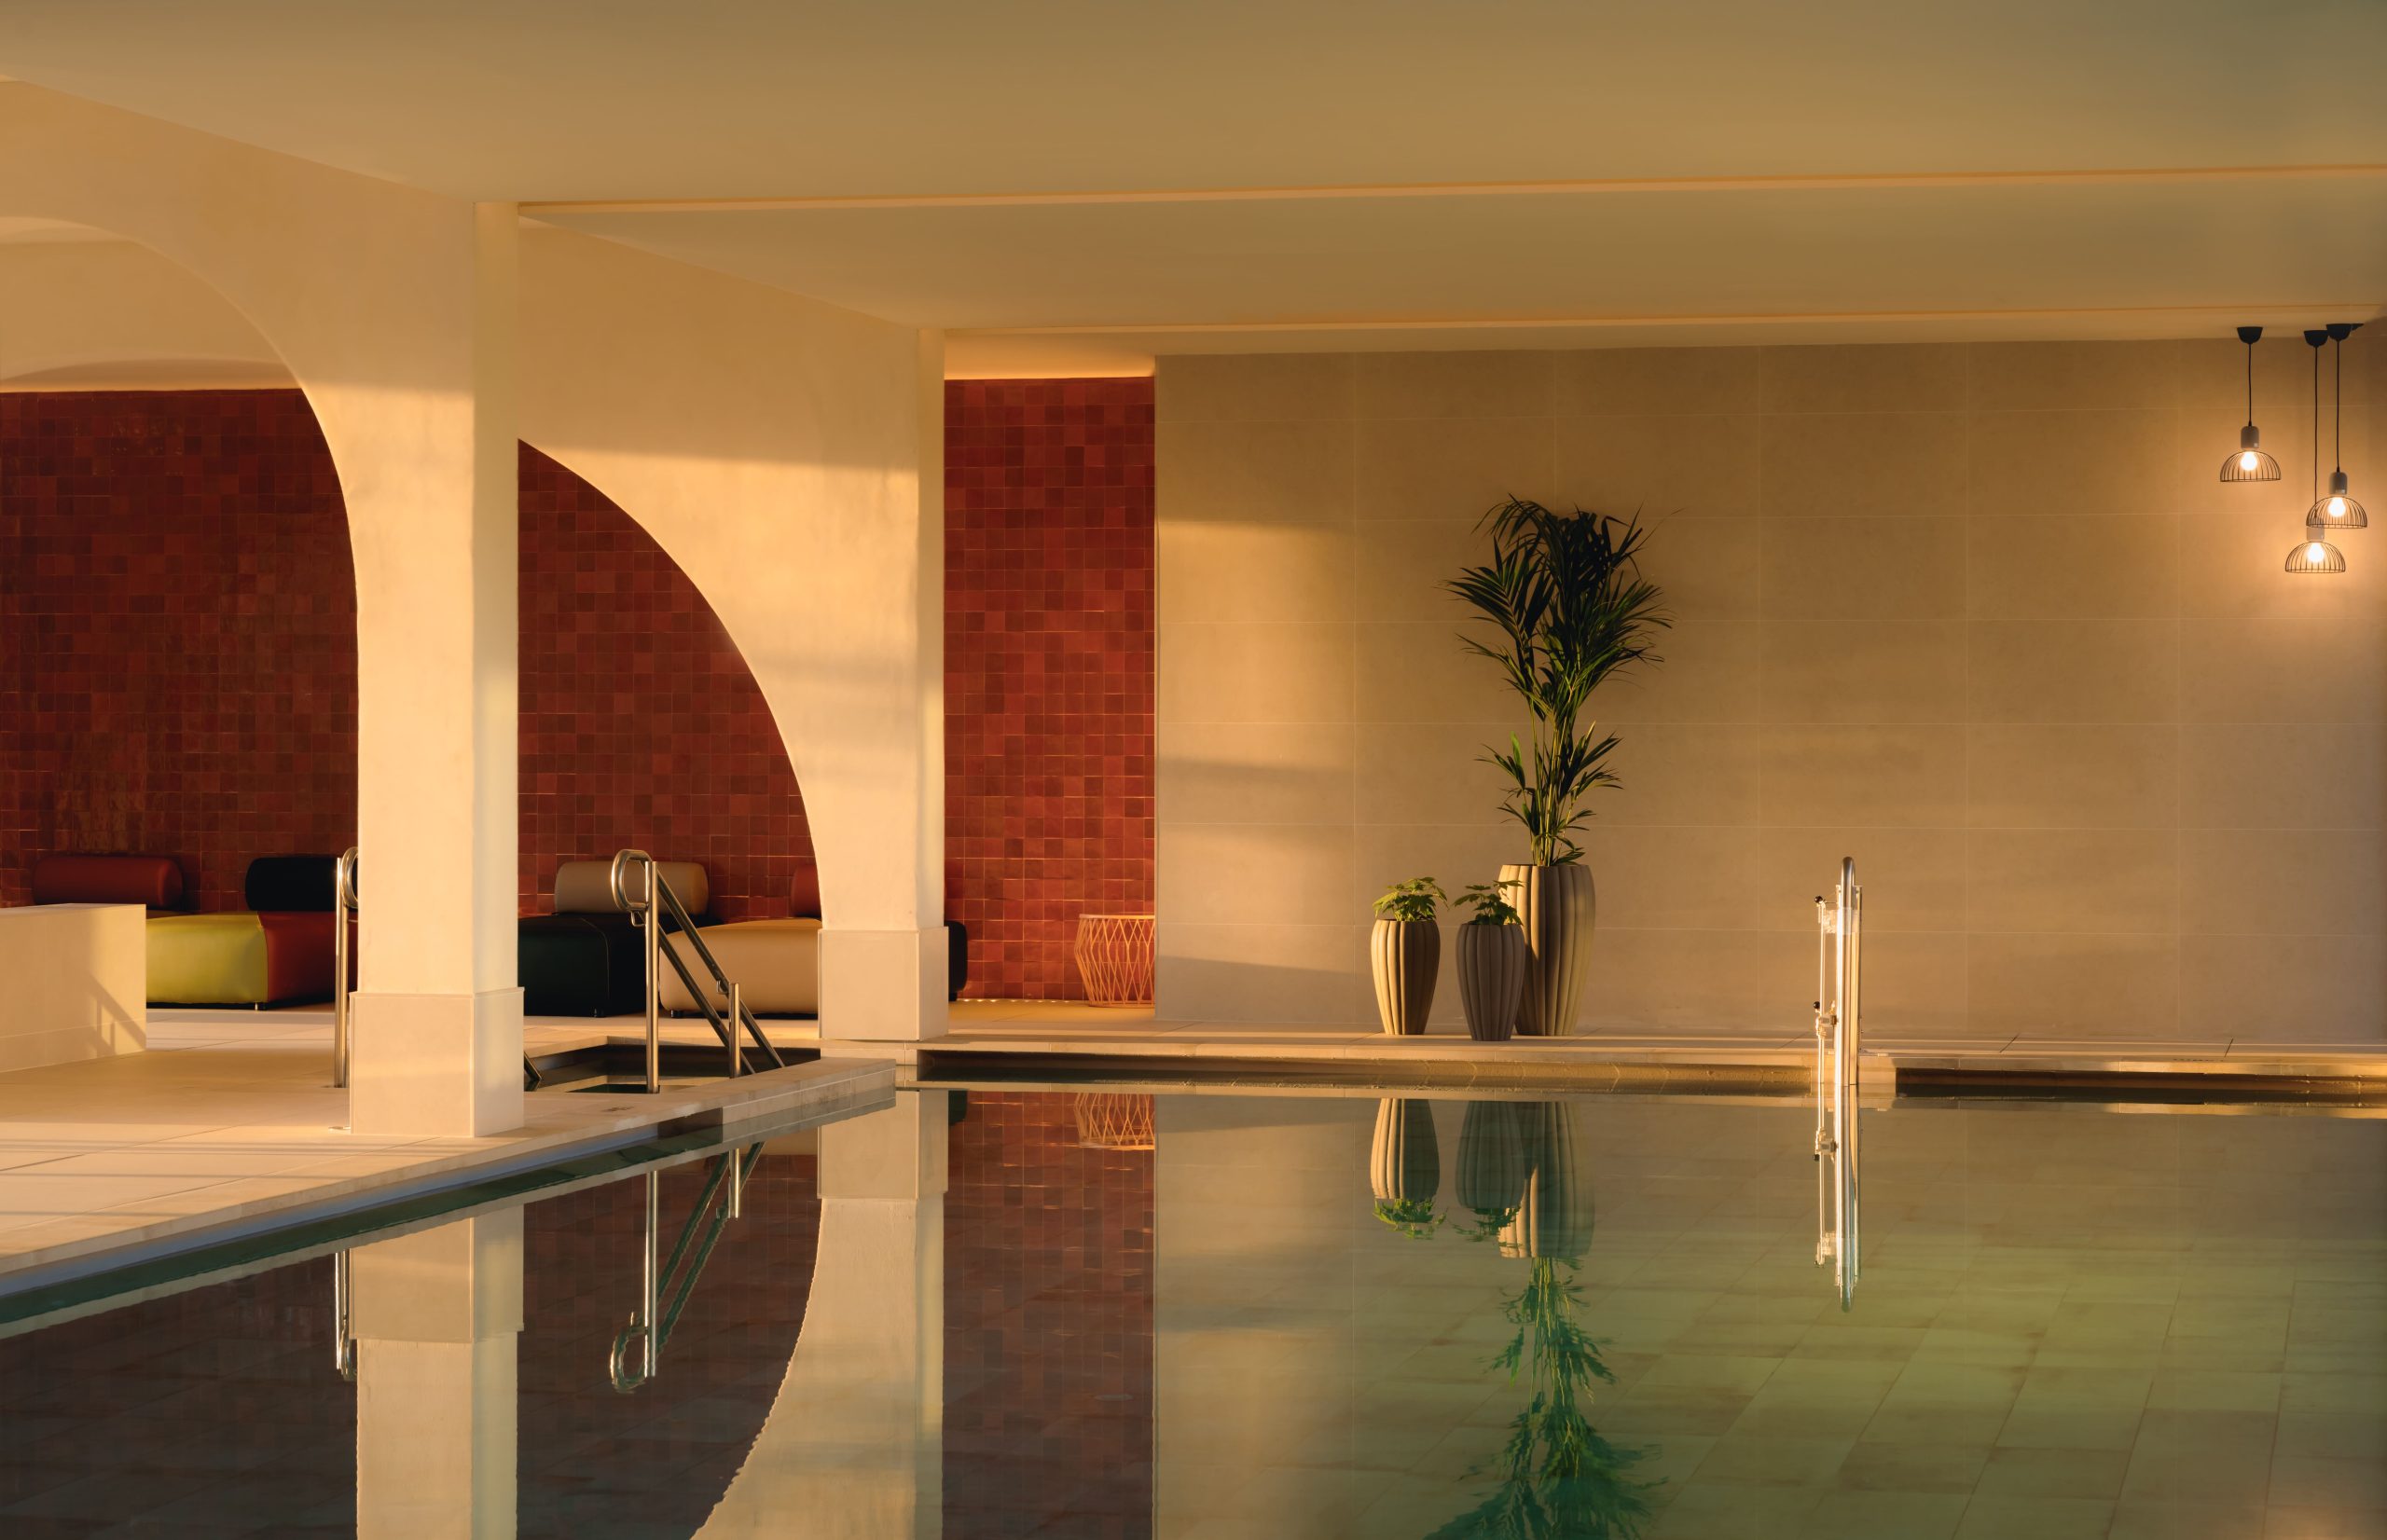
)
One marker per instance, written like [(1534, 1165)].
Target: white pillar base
[(436, 1066), (883, 985), (436, 1314)]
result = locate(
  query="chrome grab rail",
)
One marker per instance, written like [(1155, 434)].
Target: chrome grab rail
[(657, 902), (665, 1284), (343, 910), (343, 1340), (1840, 972)]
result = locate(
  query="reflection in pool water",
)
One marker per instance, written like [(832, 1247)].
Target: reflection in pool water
[(1201, 1316), (1530, 1194)]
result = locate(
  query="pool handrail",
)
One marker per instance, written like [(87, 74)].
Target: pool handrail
[(1840, 973), (655, 902)]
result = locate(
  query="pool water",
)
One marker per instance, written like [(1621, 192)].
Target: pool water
[(1024, 1313)]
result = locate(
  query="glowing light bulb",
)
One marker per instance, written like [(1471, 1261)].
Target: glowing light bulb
[(2336, 507), (2249, 461), (2314, 552)]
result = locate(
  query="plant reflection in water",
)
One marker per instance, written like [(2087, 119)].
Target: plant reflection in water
[(1521, 1174), (1406, 1167)]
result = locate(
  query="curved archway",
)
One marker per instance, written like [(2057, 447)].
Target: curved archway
[(787, 456), (653, 734), (393, 309)]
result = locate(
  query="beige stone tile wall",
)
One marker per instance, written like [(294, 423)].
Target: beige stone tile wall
[(1982, 616)]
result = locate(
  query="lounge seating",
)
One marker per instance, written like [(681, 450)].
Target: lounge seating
[(279, 951), (777, 963), (586, 959)]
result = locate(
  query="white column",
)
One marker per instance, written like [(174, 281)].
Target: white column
[(436, 1316), (855, 1443), (880, 986), (432, 521)]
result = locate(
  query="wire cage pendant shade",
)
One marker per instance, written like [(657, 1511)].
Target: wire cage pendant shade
[(2337, 511), (2248, 463), (2316, 555)]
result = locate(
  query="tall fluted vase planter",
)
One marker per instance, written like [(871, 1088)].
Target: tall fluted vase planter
[(1559, 909), (1407, 955), (1491, 979)]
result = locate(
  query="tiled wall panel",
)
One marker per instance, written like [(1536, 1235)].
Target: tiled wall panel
[(178, 616), (1980, 615), (1048, 661)]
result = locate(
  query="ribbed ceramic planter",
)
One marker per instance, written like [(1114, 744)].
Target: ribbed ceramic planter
[(1406, 956), (1494, 1161), (1405, 1165), (1491, 979), (1553, 1217), (1404, 1160), (1559, 909)]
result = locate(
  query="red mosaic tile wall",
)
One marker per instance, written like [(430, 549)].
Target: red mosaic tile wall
[(177, 616), (1048, 670), (1048, 1321), (641, 725)]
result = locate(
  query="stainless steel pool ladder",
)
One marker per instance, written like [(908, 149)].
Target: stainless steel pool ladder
[(664, 1282), (655, 901), (344, 907), (1840, 969), (343, 911), (343, 1337)]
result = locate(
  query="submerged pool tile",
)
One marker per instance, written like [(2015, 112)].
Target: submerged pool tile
[(1884, 1515), (1874, 1466), (2035, 1518)]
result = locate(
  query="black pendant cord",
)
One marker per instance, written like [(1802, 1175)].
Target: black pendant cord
[(2338, 434), (2250, 384), (2316, 423)]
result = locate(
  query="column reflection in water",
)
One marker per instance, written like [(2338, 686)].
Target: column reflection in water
[(436, 1316), (853, 1446)]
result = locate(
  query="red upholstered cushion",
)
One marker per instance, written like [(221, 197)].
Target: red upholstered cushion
[(152, 880), (297, 954), (804, 895)]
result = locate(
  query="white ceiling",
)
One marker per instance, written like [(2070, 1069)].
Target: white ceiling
[(1083, 181)]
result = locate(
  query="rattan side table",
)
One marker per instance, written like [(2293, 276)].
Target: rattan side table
[(1114, 954)]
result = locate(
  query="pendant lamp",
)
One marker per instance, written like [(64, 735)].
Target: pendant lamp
[(2315, 555), (2338, 509), (2249, 462)]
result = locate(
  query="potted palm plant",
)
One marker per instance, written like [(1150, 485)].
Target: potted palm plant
[(1491, 963), (1406, 952), (1566, 607)]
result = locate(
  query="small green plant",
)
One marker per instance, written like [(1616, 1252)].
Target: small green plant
[(1490, 904), (1413, 900), (1411, 1217)]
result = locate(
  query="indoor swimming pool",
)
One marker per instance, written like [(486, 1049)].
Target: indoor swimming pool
[(1229, 1312)]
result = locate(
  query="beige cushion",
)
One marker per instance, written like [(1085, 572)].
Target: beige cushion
[(585, 887), (776, 965)]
